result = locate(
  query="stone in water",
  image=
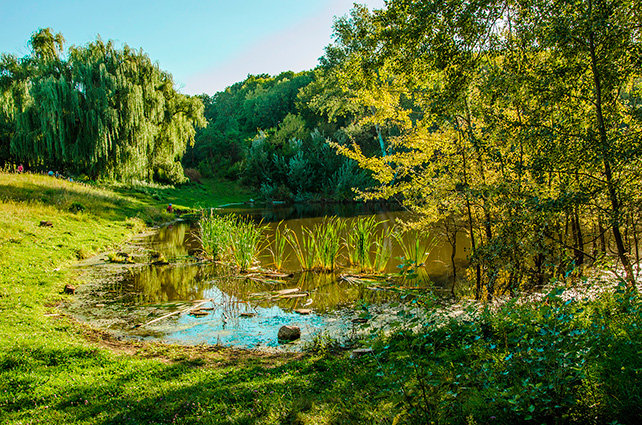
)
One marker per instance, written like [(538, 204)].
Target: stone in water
[(289, 333)]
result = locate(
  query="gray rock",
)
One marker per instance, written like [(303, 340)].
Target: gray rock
[(289, 333)]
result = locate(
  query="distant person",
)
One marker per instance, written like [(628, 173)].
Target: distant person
[(50, 173), (170, 208), (20, 168)]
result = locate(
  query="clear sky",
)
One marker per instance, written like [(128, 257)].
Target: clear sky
[(205, 45)]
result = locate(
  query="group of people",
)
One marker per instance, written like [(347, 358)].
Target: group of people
[(21, 169), (59, 176)]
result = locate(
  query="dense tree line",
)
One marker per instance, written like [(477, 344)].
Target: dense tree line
[(100, 111), (517, 122), (272, 133)]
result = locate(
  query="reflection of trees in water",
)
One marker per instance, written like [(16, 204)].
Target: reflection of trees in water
[(174, 241), (326, 290), (162, 284)]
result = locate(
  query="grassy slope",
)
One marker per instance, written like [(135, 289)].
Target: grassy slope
[(52, 372), (211, 193)]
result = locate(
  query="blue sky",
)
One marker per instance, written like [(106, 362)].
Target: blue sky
[(206, 45)]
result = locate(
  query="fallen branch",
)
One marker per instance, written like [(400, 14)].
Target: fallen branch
[(194, 307)]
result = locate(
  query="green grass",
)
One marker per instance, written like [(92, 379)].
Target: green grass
[(212, 193), (277, 247), (56, 371), (553, 361)]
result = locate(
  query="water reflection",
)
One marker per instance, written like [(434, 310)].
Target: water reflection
[(161, 284), (247, 310), (228, 322), (175, 241), (320, 292)]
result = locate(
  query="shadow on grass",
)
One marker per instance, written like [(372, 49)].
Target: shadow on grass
[(129, 391)]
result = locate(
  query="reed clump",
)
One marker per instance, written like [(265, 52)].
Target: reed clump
[(368, 244), (416, 246), (278, 246), (231, 238), (318, 247)]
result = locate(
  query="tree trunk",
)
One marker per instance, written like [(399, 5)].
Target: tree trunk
[(608, 173)]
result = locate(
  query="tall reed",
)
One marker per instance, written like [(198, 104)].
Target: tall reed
[(231, 238), (278, 246), (360, 241), (215, 235), (303, 247), (318, 247), (416, 246), (246, 241), (328, 242), (382, 250)]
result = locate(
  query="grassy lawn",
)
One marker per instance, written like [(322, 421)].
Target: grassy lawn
[(56, 371), (211, 193)]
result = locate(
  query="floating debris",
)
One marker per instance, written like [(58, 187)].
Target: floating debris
[(287, 291)]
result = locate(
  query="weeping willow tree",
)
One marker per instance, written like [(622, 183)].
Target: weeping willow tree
[(102, 111)]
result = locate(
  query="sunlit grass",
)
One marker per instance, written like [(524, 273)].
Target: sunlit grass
[(563, 358), (328, 241)]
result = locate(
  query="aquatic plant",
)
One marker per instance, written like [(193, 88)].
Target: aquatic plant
[(303, 247), (318, 247), (368, 244), (246, 241), (215, 235), (359, 241), (231, 238), (278, 246), (416, 246), (328, 238), (382, 251)]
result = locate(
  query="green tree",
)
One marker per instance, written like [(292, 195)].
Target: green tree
[(104, 111)]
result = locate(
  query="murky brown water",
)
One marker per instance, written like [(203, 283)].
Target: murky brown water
[(245, 311)]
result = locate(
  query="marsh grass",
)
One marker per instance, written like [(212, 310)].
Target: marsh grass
[(328, 242), (231, 238), (416, 246), (318, 247), (278, 247), (303, 246), (359, 241), (382, 251), (368, 244)]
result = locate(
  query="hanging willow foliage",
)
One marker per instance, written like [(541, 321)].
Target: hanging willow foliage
[(104, 112)]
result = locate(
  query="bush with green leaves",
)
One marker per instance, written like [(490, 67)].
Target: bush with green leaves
[(558, 359)]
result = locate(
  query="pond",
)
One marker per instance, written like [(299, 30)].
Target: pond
[(201, 302)]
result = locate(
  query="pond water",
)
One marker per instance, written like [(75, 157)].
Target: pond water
[(143, 300)]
